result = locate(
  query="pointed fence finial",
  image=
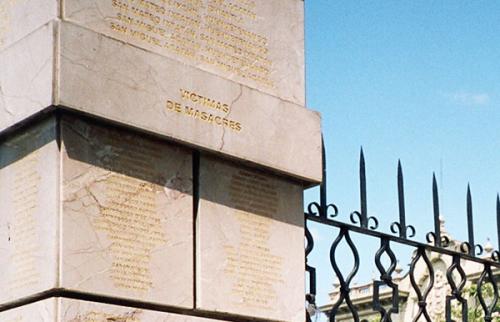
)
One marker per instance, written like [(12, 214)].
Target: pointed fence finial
[(437, 224), (400, 227), (401, 200), (362, 189), (470, 222), (498, 220), (322, 193)]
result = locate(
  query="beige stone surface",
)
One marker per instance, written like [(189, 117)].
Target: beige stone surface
[(26, 76), (29, 194), (82, 311), (253, 42), (123, 227), (127, 215), (228, 76), (69, 310), (42, 311), (250, 246), (108, 78), (19, 18)]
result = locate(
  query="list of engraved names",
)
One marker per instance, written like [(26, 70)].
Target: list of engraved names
[(129, 216), (213, 32), (256, 269), (23, 231)]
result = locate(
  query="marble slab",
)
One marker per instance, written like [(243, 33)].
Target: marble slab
[(29, 191), (127, 226), (108, 78), (74, 310), (69, 310), (19, 18), (256, 43), (250, 243), (42, 311), (26, 76)]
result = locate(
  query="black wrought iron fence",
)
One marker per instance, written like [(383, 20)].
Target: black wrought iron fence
[(361, 223)]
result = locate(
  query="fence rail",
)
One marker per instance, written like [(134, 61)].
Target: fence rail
[(360, 222)]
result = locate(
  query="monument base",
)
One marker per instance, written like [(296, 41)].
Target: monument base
[(60, 309), (104, 211)]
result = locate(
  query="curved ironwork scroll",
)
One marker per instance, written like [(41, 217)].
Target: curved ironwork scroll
[(344, 294), (422, 294), (357, 218), (311, 296), (456, 290), (315, 209), (444, 241), (467, 248), (495, 256), (385, 279), (487, 274)]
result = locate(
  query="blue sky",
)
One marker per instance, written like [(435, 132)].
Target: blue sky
[(415, 80)]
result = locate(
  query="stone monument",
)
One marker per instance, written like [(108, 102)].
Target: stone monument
[(153, 155)]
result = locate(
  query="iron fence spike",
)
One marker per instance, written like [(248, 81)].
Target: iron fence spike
[(435, 199), (498, 220), (401, 200), (470, 222), (362, 187), (323, 193)]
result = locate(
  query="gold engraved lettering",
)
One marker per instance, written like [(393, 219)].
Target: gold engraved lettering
[(5, 17), (95, 316), (202, 101), (129, 214), (23, 230), (256, 269), (213, 32)]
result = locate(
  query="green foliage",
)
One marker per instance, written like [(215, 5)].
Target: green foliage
[(475, 311)]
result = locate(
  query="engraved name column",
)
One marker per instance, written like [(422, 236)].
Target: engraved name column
[(250, 240), (128, 200)]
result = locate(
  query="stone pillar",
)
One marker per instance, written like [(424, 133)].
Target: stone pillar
[(153, 155)]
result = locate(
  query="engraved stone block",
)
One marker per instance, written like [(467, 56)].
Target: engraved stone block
[(29, 176), (127, 215), (222, 75), (160, 95), (26, 76), (105, 212), (19, 18), (250, 243), (256, 43), (68, 310), (81, 64)]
